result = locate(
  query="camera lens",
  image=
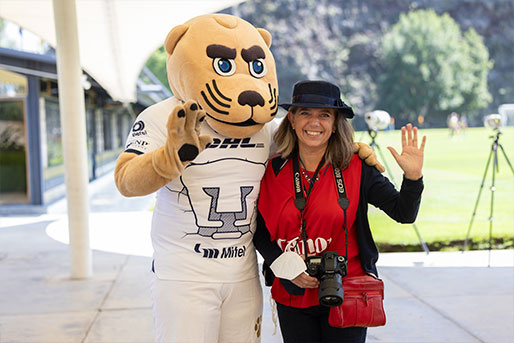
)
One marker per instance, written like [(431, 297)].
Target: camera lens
[(331, 290), (330, 301)]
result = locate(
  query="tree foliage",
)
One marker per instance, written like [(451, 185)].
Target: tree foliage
[(157, 65), (341, 41), (432, 69), (307, 40)]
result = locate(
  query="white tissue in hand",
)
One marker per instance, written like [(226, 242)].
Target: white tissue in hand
[(288, 265)]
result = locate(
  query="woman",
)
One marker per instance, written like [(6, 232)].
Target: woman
[(315, 138)]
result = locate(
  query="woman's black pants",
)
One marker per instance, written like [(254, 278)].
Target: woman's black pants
[(310, 325)]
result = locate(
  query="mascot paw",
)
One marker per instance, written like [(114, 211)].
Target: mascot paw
[(367, 154), (184, 131)]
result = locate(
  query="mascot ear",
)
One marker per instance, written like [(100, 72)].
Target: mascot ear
[(173, 37), (266, 35)]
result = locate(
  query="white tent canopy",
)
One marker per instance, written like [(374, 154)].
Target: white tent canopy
[(116, 37)]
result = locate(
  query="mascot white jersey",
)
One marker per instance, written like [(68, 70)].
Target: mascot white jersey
[(204, 220)]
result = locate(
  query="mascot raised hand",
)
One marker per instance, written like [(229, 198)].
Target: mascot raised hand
[(204, 151)]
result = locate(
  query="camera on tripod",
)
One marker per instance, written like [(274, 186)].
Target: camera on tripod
[(329, 269), (493, 121), (377, 120)]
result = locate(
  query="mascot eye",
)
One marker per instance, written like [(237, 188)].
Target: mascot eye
[(258, 68), (224, 66)]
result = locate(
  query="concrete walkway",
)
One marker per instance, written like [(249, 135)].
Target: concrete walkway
[(440, 297)]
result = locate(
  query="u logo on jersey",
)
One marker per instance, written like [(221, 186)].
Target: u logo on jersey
[(228, 229), (223, 205)]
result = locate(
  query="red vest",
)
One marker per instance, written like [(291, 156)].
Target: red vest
[(322, 214)]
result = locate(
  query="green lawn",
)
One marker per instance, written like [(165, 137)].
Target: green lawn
[(453, 171)]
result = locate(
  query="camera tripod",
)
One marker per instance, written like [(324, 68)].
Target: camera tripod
[(374, 145), (494, 155)]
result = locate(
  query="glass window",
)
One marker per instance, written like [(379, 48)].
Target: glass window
[(13, 153), (107, 121), (53, 133)]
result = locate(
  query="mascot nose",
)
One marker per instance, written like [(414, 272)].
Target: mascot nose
[(250, 98)]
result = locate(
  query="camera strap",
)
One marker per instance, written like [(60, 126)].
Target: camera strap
[(300, 200), (343, 202)]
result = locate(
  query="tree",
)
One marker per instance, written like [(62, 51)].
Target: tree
[(307, 40), (157, 65), (430, 69)]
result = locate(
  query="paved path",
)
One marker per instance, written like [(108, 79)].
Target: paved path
[(441, 297)]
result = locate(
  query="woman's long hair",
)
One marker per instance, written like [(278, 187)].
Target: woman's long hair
[(340, 144)]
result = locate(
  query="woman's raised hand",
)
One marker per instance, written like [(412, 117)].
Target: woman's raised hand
[(411, 158)]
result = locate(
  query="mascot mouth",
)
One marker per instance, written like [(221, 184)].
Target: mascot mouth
[(248, 122)]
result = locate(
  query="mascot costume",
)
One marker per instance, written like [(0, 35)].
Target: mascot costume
[(204, 151)]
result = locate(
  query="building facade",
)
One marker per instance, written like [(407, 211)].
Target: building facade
[(31, 154)]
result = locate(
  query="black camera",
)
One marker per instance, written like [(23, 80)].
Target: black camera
[(329, 269)]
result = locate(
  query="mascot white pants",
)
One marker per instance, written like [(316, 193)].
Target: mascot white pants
[(207, 312)]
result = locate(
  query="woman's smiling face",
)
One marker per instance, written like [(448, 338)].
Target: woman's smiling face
[(313, 127)]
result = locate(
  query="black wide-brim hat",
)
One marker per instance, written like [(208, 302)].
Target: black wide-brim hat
[(318, 94)]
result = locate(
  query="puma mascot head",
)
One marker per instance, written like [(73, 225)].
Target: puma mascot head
[(225, 64)]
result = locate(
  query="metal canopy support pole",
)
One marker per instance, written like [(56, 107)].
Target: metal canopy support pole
[(73, 123)]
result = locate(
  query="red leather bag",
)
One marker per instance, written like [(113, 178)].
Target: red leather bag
[(362, 303)]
